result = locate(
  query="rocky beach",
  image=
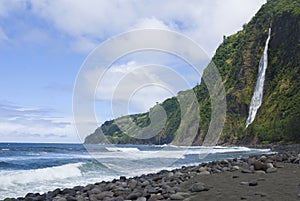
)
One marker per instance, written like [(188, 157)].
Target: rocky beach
[(259, 177)]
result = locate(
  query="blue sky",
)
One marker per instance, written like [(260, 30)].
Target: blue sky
[(44, 43)]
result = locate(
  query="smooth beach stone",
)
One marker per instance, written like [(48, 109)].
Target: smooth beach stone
[(258, 165), (94, 191), (141, 199), (132, 183), (246, 171), (198, 187), (252, 168), (156, 197), (88, 187), (253, 183), (52, 194), (176, 196), (94, 197), (271, 170), (178, 173), (204, 173), (224, 169), (193, 174), (71, 198), (80, 198), (235, 167), (263, 158), (259, 172), (153, 190), (169, 174), (244, 183), (60, 199), (202, 169), (133, 196), (225, 162), (145, 183), (269, 165), (117, 199)]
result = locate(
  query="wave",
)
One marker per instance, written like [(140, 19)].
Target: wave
[(167, 152), (8, 165), (22, 177), (122, 149)]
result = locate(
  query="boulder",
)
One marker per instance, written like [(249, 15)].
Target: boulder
[(258, 165), (198, 187), (271, 170)]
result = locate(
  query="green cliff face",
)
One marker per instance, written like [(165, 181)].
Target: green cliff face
[(237, 59)]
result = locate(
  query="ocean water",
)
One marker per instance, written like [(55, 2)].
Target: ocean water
[(43, 167)]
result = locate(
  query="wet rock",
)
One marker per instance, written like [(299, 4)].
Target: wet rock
[(253, 183), (88, 187), (122, 178), (52, 194)]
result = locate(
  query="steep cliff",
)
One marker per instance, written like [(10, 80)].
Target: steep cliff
[(237, 59)]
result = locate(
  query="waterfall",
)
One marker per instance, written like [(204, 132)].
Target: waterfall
[(257, 97)]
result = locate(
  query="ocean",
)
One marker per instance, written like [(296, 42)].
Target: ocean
[(29, 167)]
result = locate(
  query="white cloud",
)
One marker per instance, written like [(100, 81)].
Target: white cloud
[(8, 6), (150, 23), (134, 87), (19, 124), (95, 20)]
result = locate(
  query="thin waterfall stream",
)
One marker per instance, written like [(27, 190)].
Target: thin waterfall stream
[(257, 97)]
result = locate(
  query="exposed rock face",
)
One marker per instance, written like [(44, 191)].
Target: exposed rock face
[(237, 60)]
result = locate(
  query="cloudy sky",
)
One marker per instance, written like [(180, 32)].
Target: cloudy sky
[(43, 45)]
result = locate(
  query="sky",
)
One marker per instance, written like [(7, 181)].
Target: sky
[(44, 44)]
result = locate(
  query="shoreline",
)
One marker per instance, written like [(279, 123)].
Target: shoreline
[(211, 180)]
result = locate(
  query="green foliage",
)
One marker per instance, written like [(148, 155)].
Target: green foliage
[(237, 60)]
